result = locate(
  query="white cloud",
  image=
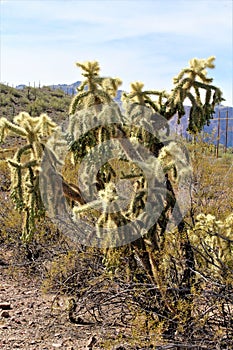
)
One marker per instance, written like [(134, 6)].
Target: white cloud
[(149, 41), (131, 18)]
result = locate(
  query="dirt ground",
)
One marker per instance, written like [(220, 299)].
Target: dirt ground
[(32, 320)]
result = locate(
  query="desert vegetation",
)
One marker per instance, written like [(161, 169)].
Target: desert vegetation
[(132, 225), (35, 101)]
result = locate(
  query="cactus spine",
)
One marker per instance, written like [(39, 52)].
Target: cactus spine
[(25, 166)]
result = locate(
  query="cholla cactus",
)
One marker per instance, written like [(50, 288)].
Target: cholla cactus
[(188, 84), (33, 130), (174, 157), (85, 130), (25, 165), (214, 238), (138, 199), (94, 90), (141, 124), (111, 216), (111, 85), (143, 98)]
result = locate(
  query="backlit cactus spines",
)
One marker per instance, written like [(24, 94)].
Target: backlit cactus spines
[(143, 98), (111, 85), (94, 90), (215, 237), (195, 77), (16, 184), (24, 166), (174, 158), (8, 128), (188, 84), (138, 200)]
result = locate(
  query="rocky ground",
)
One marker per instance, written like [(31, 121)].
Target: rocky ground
[(33, 320)]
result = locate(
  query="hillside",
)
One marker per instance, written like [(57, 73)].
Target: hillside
[(53, 100), (34, 101)]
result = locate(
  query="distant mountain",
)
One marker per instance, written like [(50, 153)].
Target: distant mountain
[(220, 112), (69, 89), (21, 86)]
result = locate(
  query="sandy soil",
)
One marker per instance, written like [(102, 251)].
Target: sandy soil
[(32, 320)]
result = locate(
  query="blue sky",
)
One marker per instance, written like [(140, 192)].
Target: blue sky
[(148, 41)]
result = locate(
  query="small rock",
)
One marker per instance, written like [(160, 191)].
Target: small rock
[(5, 314), (57, 335), (3, 263), (57, 345), (18, 313), (28, 292), (10, 339), (5, 306)]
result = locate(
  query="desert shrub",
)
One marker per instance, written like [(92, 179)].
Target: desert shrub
[(16, 93), (58, 93), (72, 270), (211, 190), (10, 221)]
